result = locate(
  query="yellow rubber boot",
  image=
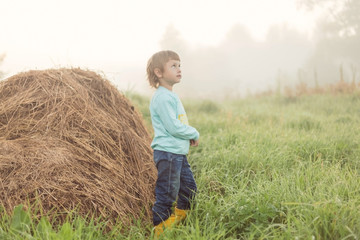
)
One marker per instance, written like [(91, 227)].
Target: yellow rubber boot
[(180, 214), (168, 223)]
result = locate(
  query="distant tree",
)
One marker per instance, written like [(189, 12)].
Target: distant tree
[(172, 40), (342, 16), (336, 55)]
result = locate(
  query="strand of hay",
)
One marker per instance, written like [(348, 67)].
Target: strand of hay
[(71, 140)]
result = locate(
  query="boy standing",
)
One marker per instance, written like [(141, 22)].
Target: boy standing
[(172, 138)]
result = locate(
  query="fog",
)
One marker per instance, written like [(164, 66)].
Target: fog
[(238, 65)]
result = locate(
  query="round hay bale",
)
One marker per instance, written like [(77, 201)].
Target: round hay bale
[(70, 140)]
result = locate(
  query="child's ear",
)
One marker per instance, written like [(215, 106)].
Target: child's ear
[(158, 72)]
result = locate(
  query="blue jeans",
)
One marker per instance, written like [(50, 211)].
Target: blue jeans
[(175, 180)]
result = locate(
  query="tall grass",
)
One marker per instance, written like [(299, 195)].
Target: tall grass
[(267, 168)]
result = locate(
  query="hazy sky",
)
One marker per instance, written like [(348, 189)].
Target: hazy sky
[(118, 36)]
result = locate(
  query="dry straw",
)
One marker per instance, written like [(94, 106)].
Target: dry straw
[(70, 140)]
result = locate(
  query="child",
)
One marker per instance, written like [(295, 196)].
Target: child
[(171, 142)]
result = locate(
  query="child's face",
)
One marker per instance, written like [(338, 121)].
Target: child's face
[(171, 73)]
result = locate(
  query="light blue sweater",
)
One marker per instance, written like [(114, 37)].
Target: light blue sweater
[(171, 128)]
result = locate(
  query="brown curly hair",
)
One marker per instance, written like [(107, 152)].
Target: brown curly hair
[(158, 60)]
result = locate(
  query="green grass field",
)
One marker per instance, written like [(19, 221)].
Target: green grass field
[(266, 168)]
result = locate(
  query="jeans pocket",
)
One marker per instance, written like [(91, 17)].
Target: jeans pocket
[(160, 155)]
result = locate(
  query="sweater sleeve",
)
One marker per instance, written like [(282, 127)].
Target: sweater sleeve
[(166, 110)]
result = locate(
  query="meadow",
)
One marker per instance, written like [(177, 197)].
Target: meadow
[(270, 167)]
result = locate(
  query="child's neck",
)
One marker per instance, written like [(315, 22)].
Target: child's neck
[(168, 87)]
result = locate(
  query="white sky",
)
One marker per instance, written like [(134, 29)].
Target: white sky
[(116, 36)]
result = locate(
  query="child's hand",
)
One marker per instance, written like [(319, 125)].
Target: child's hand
[(194, 143)]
